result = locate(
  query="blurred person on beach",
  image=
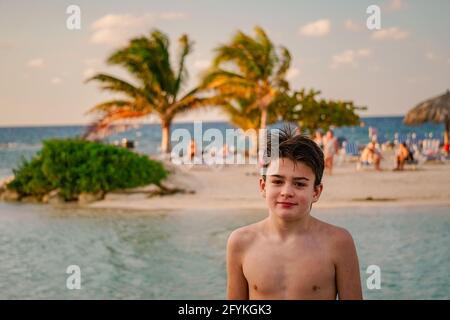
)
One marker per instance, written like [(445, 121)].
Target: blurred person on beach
[(225, 150), (403, 154), (330, 148), (192, 149), (370, 155), (373, 133), (290, 254), (318, 138)]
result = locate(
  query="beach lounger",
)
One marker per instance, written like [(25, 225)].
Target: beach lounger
[(351, 151), (431, 150)]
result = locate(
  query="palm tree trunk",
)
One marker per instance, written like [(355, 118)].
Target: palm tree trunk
[(263, 118), (165, 141), (262, 127), (264, 103)]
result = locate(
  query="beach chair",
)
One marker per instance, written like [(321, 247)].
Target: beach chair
[(351, 152), (431, 150)]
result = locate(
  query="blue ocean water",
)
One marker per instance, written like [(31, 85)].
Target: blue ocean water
[(181, 255), (19, 142)]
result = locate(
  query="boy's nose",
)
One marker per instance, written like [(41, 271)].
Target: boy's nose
[(287, 190)]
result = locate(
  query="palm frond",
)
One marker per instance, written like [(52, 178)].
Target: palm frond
[(111, 83), (268, 56), (284, 65), (110, 105), (185, 48), (102, 126), (132, 58), (227, 82), (241, 56)]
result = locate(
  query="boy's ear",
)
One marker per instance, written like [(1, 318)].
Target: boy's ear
[(262, 187), (317, 192)]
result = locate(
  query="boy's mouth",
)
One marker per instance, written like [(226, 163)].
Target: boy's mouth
[(286, 204)]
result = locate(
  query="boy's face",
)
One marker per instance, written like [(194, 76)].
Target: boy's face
[(289, 189)]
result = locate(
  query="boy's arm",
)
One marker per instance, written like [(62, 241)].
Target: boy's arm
[(237, 286), (348, 279)]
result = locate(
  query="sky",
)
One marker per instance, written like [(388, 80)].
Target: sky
[(43, 64)]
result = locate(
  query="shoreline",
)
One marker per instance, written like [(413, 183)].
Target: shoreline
[(214, 206)]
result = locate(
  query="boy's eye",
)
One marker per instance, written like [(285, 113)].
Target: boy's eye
[(298, 184), (277, 181)]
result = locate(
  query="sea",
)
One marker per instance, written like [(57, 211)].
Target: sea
[(124, 254), (403, 251)]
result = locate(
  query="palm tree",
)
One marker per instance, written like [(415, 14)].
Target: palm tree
[(156, 89), (257, 73), (242, 115)]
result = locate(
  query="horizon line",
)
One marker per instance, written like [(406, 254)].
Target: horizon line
[(175, 122)]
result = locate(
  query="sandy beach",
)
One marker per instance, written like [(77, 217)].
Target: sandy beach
[(236, 187)]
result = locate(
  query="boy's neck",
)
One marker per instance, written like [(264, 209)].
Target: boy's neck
[(285, 228)]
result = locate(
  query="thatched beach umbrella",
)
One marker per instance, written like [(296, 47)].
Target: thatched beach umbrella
[(436, 109)]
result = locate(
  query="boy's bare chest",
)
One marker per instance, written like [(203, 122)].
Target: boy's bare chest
[(293, 272)]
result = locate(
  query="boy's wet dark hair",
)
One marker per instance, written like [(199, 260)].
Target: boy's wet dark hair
[(298, 148)]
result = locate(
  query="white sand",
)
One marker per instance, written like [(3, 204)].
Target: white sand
[(236, 187)]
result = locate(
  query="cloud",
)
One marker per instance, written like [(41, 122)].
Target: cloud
[(352, 26), (292, 73), (317, 28), (91, 62), (202, 64), (363, 53), (89, 72), (395, 5), (117, 29), (349, 57), (392, 33), (36, 63), (91, 67), (430, 56), (56, 80)]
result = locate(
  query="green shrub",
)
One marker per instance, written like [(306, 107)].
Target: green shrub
[(30, 180), (74, 166)]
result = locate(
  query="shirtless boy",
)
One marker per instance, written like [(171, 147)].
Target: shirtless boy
[(290, 254)]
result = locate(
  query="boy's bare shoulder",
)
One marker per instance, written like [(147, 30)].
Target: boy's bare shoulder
[(339, 237), (242, 237)]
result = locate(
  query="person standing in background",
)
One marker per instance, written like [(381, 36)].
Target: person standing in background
[(318, 138), (330, 148)]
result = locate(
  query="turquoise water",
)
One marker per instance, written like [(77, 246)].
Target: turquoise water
[(181, 255)]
